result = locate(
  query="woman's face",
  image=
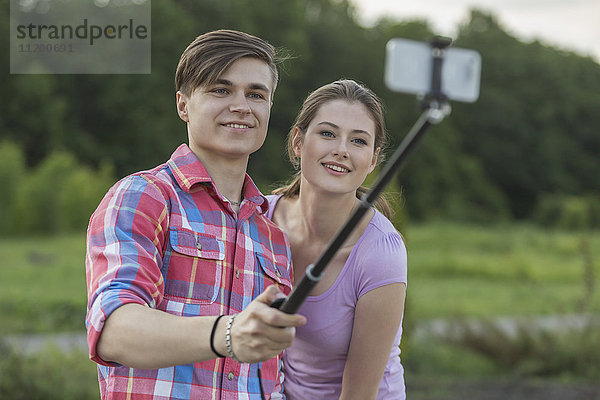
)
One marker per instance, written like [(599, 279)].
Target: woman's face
[(337, 152)]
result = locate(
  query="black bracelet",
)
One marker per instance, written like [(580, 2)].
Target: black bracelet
[(212, 337)]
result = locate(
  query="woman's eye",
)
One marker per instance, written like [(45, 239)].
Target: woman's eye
[(360, 141), (327, 133)]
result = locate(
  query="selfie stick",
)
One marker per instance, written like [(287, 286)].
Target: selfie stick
[(436, 108)]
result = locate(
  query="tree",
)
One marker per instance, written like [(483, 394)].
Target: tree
[(532, 126), (533, 132)]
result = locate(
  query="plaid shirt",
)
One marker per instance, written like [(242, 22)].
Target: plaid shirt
[(166, 238)]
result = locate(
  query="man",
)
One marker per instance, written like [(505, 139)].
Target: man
[(181, 264)]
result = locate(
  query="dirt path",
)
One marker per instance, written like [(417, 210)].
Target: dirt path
[(506, 390), (34, 343)]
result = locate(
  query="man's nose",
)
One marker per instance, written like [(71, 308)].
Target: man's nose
[(239, 104)]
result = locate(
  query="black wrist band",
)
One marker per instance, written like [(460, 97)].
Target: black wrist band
[(212, 337)]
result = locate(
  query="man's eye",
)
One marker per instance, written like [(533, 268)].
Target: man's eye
[(256, 96), (220, 91)]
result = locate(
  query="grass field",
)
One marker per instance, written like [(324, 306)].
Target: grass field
[(454, 271), (460, 270), (42, 284)]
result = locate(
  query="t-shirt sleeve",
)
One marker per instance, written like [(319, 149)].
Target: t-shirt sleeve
[(272, 199), (382, 262)]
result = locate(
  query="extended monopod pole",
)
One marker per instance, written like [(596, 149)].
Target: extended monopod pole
[(436, 109)]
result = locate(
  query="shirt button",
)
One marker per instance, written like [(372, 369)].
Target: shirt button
[(230, 376), (199, 246), (277, 272), (237, 273)]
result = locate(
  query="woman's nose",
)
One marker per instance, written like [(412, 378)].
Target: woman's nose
[(340, 150)]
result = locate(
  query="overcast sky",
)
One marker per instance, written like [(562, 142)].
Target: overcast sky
[(567, 24)]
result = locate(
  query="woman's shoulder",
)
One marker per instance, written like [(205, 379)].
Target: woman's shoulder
[(381, 228), (380, 242), (381, 256), (272, 199)]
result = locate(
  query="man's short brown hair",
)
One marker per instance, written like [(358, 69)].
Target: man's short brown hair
[(210, 54)]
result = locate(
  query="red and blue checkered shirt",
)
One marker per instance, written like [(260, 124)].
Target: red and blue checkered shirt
[(166, 238)]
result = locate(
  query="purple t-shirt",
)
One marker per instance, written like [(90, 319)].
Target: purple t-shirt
[(314, 364)]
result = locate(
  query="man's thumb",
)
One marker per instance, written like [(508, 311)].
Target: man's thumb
[(270, 294)]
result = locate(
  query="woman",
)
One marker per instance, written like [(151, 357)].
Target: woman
[(349, 348)]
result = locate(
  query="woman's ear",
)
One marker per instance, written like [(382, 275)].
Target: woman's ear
[(297, 142), (374, 160), (182, 106)]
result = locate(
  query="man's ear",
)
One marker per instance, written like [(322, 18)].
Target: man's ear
[(374, 160), (182, 101)]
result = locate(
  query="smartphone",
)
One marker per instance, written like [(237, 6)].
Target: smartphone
[(409, 63)]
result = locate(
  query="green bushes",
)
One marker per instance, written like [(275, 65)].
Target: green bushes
[(58, 195), (568, 212), (50, 375), (531, 351), (12, 171)]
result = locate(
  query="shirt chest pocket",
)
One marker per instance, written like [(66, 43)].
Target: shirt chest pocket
[(196, 266), (276, 273)]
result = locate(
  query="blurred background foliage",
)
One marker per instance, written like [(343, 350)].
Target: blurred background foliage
[(527, 149)]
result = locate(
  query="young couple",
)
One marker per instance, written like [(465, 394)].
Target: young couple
[(183, 260)]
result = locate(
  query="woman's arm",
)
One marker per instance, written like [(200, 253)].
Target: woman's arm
[(377, 318)]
